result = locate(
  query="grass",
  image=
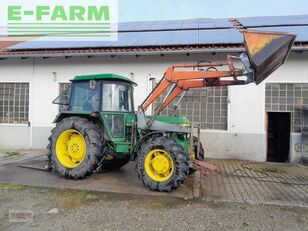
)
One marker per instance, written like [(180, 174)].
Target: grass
[(11, 186), (13, 153)]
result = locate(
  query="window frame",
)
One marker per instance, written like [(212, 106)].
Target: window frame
[(293, 110), (132, 96), (58, 92), (188, 98), (99, 84), (28, 124)]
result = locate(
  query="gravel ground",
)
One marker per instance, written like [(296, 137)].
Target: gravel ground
[(82, 210)]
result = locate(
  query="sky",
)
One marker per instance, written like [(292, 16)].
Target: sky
[(152, 10)]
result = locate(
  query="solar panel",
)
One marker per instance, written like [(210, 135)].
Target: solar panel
[(34, 44), (163, 37), (274, 21), (150, 25), (174, 26), (190, 25), (187, 37), (142, 26), (223, 22), (167, 38), (207, 25), (230, 36), (158, 26), (300, 31), (128, 26), (144, 39), (209, 37)]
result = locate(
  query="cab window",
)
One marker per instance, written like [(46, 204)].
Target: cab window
[(85, 97), (117, 97)]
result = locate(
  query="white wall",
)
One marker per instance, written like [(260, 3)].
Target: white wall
[(246, 113)]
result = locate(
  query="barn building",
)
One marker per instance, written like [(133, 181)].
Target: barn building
[(262, 122)]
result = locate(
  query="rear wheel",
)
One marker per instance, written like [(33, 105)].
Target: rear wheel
[(162, 164), (195, 151), (75, 148)]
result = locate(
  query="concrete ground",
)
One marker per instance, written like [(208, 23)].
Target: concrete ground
[(257, 183), (241, 195), (74, 210), (235, 181), (124, 180)]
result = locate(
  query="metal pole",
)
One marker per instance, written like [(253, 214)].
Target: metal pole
[(175, 106), (198, 137), (157, 110), (191, 141)]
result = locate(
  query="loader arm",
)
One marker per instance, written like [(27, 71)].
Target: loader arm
[(180, 81), (265, 52)]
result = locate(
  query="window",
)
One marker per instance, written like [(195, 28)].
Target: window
[(85, 96), (207, 106), (62, 88), (116, 124), (14, 103), (287, 97), (117, 97)]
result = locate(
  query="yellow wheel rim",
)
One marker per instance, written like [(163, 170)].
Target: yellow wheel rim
[(193, 155), (159, 165), (71, 148)]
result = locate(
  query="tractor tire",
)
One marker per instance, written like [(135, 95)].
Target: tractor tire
[(75, 148), (161, 164), (201, 154), (115, 163)]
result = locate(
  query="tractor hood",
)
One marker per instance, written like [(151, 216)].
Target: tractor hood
[(172, 120), (266, 51)]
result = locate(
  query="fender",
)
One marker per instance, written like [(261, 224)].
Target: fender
[(143, 140), (63, 115)]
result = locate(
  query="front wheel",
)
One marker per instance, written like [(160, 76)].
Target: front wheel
[(162, 164), (75, 148)]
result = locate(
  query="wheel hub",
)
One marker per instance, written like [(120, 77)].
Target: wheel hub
[(159, 165), (71, 148), (74, 145)]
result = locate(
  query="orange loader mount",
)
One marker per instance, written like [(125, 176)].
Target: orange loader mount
[(266, 52)]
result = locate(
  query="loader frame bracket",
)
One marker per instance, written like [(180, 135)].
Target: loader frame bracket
[(206, 169)]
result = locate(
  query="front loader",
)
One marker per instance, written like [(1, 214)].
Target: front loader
[(101, 130)]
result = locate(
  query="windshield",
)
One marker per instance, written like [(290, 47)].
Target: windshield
[(85, 97), (117, 97)]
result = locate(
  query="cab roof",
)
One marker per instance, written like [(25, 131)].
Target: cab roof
[(109, 76)]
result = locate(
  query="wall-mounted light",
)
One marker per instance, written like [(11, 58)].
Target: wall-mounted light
[(54, 76), (132, 76)]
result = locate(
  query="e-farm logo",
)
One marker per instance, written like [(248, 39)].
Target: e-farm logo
[(60, 20)]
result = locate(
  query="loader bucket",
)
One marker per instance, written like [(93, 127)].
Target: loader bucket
[(267, 51)]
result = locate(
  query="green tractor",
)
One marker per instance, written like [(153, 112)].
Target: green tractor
[(101, 130)]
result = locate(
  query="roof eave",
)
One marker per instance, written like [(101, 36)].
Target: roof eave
[(127, 53), (134, 53)]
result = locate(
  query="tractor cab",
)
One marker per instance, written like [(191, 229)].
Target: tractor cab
[(107, 96)]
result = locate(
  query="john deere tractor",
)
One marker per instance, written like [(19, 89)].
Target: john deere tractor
[(101, 130)]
